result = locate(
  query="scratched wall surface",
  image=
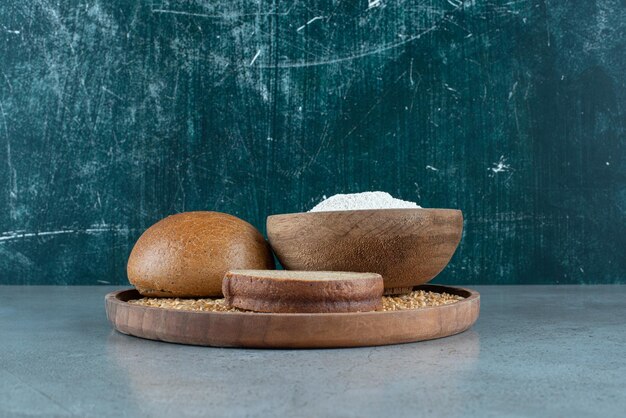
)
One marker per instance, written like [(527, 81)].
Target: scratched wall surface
[(114, 114)]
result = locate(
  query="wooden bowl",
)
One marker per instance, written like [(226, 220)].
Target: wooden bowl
[(408, 247)]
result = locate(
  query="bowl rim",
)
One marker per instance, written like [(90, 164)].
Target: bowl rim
[(370, 211)]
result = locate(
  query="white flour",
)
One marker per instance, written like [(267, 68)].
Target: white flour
[(362, 201)]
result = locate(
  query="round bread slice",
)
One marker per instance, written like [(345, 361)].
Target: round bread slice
[(288, 291)]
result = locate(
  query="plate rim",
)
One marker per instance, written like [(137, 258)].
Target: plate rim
[(473, 295)]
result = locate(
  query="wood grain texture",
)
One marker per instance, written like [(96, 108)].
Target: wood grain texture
[(115, 114), (408, 247), (273, 330)]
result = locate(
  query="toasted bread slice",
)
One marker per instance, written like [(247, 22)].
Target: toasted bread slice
[(288, 291)]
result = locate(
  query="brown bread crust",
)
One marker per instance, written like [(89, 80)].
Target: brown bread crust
[(307, 292), (187, 254)]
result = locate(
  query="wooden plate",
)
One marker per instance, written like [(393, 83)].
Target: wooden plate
[(272, 330)]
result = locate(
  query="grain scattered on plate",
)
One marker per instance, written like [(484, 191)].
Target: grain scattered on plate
[(414, 300), (206, 305), (418, 299)]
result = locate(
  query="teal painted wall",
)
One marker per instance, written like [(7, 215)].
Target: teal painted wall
[(114, 114)]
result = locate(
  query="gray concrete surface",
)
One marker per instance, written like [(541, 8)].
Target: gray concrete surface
[(535, 351)]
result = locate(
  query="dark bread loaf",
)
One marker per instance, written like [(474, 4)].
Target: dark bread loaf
[(287, 291), (187, 255)]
